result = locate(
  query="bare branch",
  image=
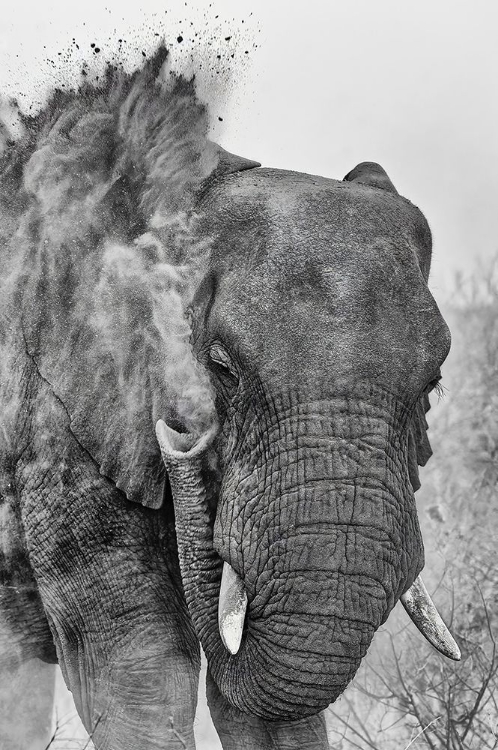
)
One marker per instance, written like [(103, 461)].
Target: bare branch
[(422, 731)]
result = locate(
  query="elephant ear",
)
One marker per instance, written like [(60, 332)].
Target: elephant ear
[(419, 447), (225, 165), (106, 255), (229, 163), (372, 174), (107, 328)]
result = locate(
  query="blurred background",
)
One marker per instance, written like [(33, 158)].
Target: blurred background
[(318, 87)]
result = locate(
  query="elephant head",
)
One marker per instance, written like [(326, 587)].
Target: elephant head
[(323, 342), (284, 529)]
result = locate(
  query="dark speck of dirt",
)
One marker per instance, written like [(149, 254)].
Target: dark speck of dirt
[(227, 38), (220, 119), (218, 56), (97, 49), (143, 54), (92, 45), (179, 39)]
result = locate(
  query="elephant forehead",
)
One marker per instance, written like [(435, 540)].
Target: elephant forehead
[(296, 220), (309, 264), (286, 237), (333, 320)]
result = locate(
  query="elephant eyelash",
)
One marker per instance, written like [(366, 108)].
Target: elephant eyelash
[(222, 361), (439, 389), (224, 369), (435, 386)]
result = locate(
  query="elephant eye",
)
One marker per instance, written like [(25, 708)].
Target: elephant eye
[(222, 361)]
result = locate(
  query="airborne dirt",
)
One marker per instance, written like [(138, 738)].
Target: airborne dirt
[(100, 259)]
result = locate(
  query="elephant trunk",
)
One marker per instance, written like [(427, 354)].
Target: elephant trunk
[(278, 673), (200, 566), (323, 555)]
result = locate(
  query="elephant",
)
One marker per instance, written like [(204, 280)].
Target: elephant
[(214, 382)]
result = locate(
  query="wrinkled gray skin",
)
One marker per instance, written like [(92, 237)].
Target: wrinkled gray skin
[(322, 341)]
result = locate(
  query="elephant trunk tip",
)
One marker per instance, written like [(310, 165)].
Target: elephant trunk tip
[(183, 445)]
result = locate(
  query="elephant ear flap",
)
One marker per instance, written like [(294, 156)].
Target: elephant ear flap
[(230, 163), (372, 174), (419, 447)]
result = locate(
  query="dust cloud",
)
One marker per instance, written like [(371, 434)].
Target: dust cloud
[(101, 258)]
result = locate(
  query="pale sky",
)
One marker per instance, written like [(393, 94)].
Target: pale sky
[(411, 85)]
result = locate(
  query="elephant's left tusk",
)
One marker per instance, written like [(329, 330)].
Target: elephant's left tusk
[(424, 615), (231, 608)]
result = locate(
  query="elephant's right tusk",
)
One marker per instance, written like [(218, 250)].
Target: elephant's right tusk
[(424, 615), (231, 608)]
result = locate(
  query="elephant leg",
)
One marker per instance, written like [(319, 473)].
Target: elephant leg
[(309, 733), (121, 630), (27, 652), (108, 578), (239, 731)]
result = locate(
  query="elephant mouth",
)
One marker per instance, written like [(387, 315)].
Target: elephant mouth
[(216, 594), (232, 613)]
